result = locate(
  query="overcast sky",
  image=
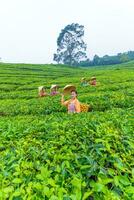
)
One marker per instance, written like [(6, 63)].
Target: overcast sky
[(29, 28)]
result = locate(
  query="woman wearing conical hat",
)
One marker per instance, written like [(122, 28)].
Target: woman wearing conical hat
[(54, 90), (42, 91), (84, 81), (93, 81), (73, 104)]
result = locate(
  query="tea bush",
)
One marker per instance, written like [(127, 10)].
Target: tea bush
[(46, 153)]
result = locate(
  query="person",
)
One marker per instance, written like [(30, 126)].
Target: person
[(42, 91), (93, 81), (54, 90), (73, 105), (83, 82)]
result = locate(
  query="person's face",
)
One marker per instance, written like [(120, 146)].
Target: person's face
[(73, 95), (54, 89)]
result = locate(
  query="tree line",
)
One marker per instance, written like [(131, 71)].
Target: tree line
[(109, 60)]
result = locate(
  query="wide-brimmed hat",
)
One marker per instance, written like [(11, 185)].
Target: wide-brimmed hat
[(83, 78), (93, 78), (68, 88), (41, 88), (54, 86)]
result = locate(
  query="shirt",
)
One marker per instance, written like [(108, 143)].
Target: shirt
[(73, 105)]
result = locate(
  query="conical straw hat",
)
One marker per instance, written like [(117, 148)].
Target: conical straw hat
[(93, 78), (68, 89), (53, 86), (83, 78), (41, 88)]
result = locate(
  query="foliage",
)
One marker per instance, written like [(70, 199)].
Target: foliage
[(109, 60), (46, 153), (71, 47)]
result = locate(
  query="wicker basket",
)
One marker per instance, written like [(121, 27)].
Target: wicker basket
[(84, 107)]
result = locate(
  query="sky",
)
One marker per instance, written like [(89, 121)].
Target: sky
[(29, 28)]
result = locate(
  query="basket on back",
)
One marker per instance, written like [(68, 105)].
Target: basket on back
[(85, 107)]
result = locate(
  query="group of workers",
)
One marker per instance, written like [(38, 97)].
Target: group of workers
[(73, 105), (86, 82), (53, 91)]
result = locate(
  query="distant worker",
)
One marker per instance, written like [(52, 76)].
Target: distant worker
[(93, 81), (42, 91), (54, 90), (84, 82)]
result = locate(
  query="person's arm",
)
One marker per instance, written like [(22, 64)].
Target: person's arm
[(63, 102)]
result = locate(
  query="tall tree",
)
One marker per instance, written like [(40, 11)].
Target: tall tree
[(71, 49)]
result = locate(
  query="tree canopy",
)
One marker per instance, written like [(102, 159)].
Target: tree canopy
[(71, 49)]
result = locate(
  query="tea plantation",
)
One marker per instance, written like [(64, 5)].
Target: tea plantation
[(48, 154)]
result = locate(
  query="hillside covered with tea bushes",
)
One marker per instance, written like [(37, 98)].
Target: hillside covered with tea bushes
[(45, 153)]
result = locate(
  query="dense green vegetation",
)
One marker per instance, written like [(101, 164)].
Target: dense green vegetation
[(109, 60), (46, 153)]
